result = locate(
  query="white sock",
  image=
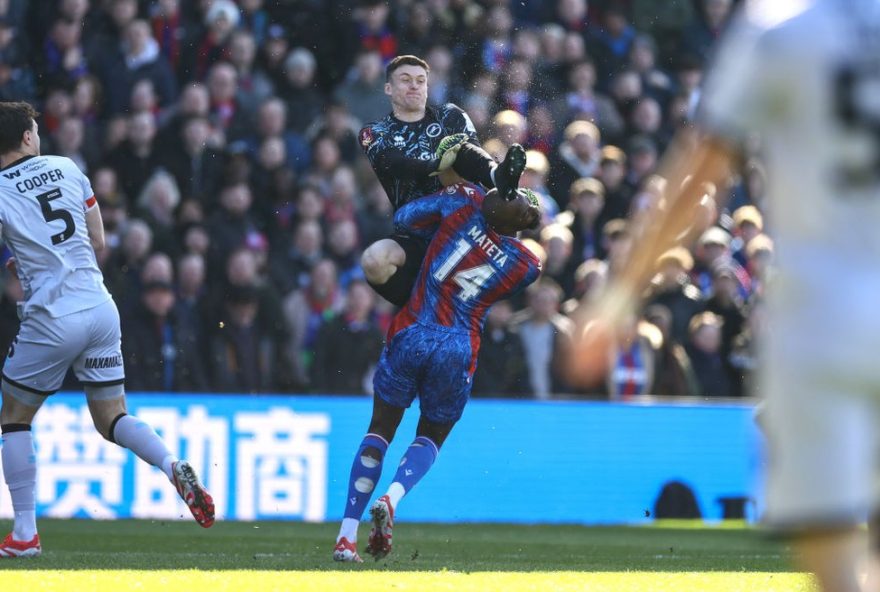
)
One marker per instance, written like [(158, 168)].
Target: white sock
[(167, 465), (20, 472), (140, 438), (395, 494), (25, 525), (349, 530)]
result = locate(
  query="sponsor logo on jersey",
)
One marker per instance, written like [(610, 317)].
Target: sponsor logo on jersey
[(433, 130), (12, 174), (105, 362), (366, 137), (399, 141)]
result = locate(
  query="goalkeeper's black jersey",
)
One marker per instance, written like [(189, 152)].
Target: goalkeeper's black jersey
[(403, 154)]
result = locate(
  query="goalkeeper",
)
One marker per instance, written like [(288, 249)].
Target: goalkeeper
[(415, 151)]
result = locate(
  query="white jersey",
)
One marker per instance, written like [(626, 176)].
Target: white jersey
[(805, 77), (43, 201)]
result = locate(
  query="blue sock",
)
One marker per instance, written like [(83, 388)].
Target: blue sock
[(365, 473), (414, 465)]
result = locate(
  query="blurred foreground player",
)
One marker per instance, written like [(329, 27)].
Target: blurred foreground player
[(51, 222), (432, 345), (803, 76), (415, 151)]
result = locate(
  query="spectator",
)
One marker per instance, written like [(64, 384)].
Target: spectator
[(546, 337), (159, 356), (291, 265), (348, 345), (501, 364), (631, 371), (612, 173), (255, 87), (304, 312), (699, 37), (212, 44), (673, 374), (137, 58), (578, 156), (583, 102), (298, 89), (157, 204), (673, 289), (586, 202), (195, 165), (363, 90), (137, 157), (227, 113), (244, 355), (704, 350)]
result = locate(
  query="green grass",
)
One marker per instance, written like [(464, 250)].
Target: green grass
[(464, 548)]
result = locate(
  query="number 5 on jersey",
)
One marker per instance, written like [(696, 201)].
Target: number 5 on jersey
[(50, 215), (470, 279)]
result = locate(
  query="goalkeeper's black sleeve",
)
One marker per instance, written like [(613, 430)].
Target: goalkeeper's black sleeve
[(475, 165), (396, 164)]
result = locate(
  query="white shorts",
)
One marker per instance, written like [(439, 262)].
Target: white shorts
[(46, 347), (823, 419)]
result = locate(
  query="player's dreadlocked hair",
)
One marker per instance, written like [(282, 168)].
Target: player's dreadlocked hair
[(15, 120)]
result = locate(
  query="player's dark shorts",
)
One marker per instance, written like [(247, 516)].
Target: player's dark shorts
[(415, 249), (430, 363)]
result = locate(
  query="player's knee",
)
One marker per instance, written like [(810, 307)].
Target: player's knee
[(381, 259)]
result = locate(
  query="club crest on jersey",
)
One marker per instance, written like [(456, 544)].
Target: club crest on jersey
[(433, 130), (366, 137)]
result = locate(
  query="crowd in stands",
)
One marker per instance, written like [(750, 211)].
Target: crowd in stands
[(221, 139)]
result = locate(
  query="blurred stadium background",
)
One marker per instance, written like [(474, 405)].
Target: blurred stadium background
[(221, 141)]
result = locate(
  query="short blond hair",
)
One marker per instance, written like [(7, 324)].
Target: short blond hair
[(581, 126)]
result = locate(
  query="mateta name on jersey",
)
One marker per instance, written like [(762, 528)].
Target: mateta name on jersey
[(31, 183), (485, 243)]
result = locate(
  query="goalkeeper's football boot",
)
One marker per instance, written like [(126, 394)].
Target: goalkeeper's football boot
[(10, 548), (382, 513), (346, 551), (197, 498), (509, 171)]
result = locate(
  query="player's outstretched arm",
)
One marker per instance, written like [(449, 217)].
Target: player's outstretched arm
[(95, 227), (689, 164)]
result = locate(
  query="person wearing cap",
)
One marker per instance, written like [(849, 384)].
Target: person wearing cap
[(672, 288), (612, 173), (642, 160), (748, 222), (585, 204), (713, 248), (577, 156), (727, 302)]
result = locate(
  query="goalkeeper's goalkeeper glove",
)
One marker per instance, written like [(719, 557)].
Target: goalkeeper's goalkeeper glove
[(447, 151)]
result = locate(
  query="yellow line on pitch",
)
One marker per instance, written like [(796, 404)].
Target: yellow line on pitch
[(369, 581)]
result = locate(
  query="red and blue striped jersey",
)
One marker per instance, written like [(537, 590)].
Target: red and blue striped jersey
[(468, 266)]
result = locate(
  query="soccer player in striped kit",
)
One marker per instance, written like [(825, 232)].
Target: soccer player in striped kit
[(473, 260)]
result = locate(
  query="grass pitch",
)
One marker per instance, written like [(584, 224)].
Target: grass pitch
[(167, 556)]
